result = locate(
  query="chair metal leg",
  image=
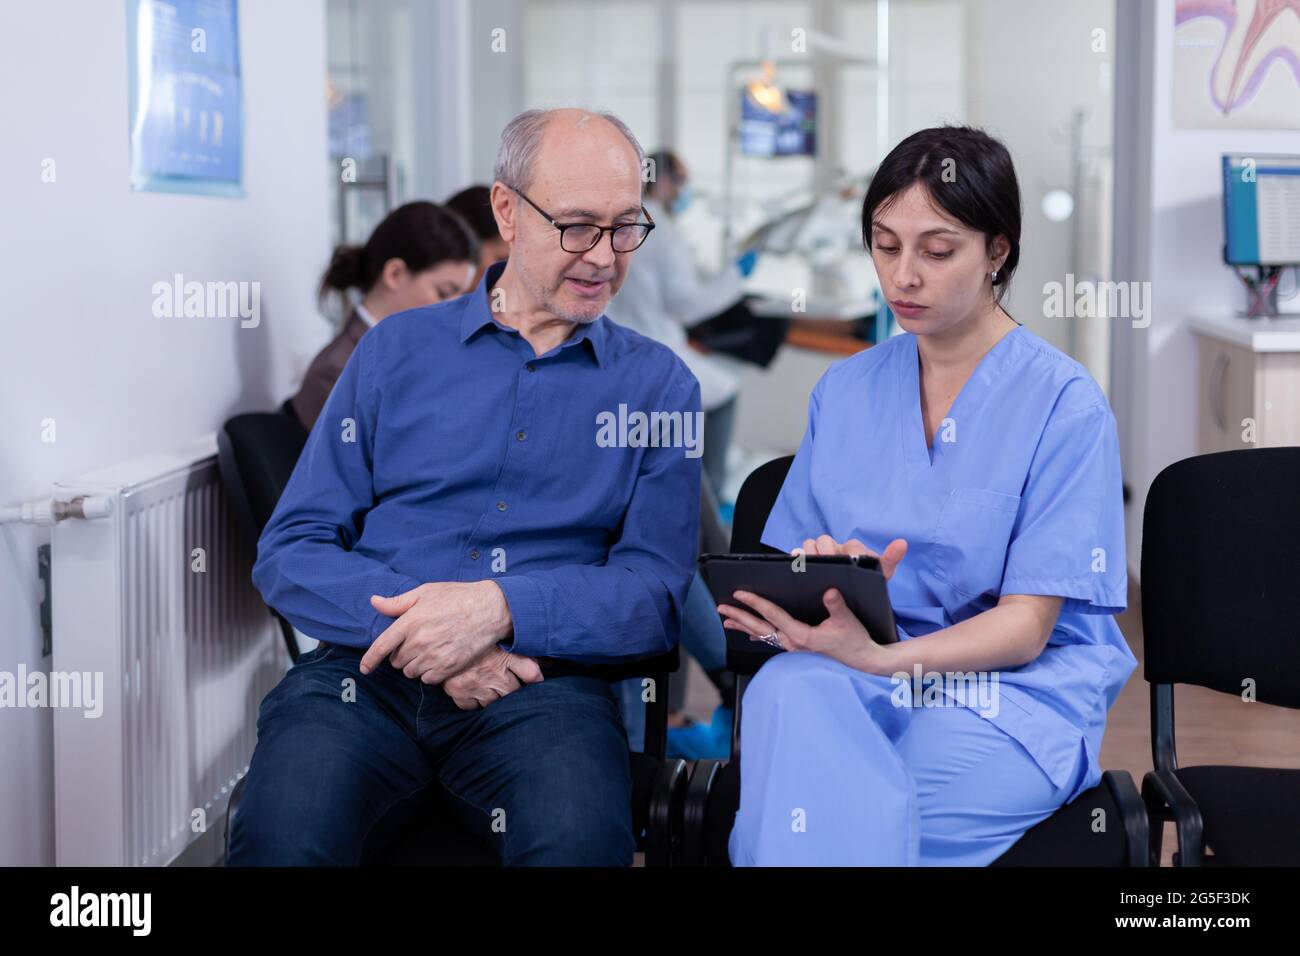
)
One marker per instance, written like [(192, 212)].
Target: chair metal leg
[(1133, 815), (656, 717), (1166, 792)]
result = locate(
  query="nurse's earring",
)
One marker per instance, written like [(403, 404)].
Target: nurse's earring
[(994, 276)]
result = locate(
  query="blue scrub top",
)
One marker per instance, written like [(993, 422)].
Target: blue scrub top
[(1020, 494)]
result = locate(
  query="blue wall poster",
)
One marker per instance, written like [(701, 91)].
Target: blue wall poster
[(187, 123)]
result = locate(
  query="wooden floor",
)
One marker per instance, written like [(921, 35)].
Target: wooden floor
[(1211, 728)]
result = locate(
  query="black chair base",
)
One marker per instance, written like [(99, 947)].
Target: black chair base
[(1067, 838), (427, 832), (1245, 815)]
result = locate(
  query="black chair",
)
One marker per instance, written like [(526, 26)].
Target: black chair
[(257, 453), (1220, 602), (713, 792)]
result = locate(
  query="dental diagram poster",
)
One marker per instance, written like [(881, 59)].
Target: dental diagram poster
[(1236, 64)]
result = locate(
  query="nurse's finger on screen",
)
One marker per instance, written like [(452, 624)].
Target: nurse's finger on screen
[(854, 546), (809, 546), (827, 545), (894, 554)]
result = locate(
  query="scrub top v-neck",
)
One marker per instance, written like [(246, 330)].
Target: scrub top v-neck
[(1020, 494)]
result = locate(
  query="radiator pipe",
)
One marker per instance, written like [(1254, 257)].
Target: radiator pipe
[(51, 511)]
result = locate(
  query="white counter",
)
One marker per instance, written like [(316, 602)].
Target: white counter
[(1281, 334)]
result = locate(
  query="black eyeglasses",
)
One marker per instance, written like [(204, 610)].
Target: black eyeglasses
[(583, 236)]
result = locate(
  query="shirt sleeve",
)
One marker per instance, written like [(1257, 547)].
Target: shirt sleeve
[(631, 606), (795, 517), (306, 567), (1068, 540)]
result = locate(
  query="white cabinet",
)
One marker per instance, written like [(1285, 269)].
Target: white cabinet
[(1248, 384)]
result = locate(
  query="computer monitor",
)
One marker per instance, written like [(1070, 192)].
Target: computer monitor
[(1261, 210), (791, 131)]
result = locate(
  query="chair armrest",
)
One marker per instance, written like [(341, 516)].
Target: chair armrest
[(1133, 815), (1165, 793), (616, 670)]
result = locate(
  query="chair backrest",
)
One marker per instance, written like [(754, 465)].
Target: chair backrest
[(754, 503), (1221, 574), (257, 453)]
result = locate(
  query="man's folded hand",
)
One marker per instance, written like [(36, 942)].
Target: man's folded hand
[(441, 628), (490, 678)]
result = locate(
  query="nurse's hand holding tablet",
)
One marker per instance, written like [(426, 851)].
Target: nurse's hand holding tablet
[(841, 636)]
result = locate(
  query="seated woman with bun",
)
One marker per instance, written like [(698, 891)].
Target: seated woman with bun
[(419, 254), (982, 466)]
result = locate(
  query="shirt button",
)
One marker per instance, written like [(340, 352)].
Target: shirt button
[(474, 554), (520, 435), (531, 367), (501, 506)]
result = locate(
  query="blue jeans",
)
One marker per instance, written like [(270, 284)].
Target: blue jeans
[(541, 774)]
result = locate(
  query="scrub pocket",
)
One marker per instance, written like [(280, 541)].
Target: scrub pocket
[(972, 537)]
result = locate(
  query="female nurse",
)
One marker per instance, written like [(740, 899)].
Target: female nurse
[(981, 466)]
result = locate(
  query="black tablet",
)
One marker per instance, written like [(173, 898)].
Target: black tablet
[(796, 583)]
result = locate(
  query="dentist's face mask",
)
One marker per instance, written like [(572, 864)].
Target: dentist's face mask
[(683, 200)]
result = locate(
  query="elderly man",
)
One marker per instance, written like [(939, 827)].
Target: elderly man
[(460, 518)]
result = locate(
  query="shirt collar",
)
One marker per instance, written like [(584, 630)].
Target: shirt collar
[(366, 317), (477, 315)]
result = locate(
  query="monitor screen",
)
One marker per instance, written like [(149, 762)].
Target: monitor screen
[(1261, 210), (791, 131)]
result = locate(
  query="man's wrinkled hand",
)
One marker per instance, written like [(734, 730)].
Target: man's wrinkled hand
[(490, 678), (441, 628)]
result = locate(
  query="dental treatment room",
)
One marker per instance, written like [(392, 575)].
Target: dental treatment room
[(450, 433)]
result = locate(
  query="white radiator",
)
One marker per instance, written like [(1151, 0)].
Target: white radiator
[(186, 657)]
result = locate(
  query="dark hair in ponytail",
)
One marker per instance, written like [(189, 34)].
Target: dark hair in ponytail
[(421, 234), (968, 174)]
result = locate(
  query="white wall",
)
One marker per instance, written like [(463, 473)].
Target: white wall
[(1169, 232), (78, 259)]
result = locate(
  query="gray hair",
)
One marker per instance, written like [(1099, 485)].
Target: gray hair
[(522, 137)]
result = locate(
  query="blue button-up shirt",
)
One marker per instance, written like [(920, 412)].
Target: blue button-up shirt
[(449, 451)]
